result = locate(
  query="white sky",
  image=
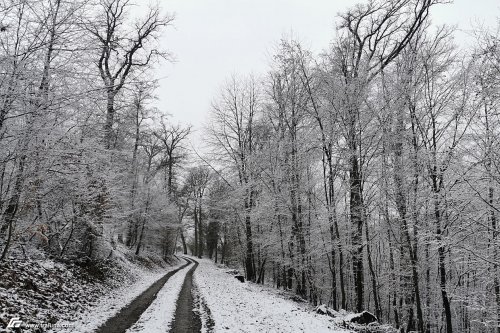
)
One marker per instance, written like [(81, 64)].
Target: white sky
[(211, 39)]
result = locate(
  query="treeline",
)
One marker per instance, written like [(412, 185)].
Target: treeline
[(87, 164), (366, 177)]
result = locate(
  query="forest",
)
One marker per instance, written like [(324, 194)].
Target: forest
[(365, 177)]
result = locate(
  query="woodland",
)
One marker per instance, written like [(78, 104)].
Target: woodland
[(366, 177)]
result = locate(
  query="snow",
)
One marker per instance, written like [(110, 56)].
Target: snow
[(201, 308), (248, 307), (110, 305), (42, 291), (223, 303), (159, 315), (324, 310)]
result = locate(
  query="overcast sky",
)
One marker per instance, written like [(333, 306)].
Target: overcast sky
[(213, 38)]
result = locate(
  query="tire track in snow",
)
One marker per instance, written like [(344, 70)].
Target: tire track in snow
[(128, 315), (160, 314), (187, 314)]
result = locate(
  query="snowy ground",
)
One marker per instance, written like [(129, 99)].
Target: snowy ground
[(247, 307), (116, 299), (223, 303), (159, 315), (44, 291)]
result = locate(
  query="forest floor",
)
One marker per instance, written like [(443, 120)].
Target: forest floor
[(248, 307), (191, 295)]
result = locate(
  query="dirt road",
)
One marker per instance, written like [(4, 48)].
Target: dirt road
[(186, 320), (131, 313)]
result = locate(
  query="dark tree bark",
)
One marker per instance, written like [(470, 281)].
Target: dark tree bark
[(249, 257)]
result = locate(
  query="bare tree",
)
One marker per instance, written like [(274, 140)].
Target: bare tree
[(120, 55), (172, 137)]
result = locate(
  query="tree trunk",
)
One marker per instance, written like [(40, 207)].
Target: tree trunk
[(492, 213), (195, 231), (170, 172), (13, 205), (216, 246), (394, 292), (110, 116), (139, 243), (441, 257), (356, 213), (183, 239), (200, 232), (414, 246), (376, 297), (249, 257), (132, 223), (409, 260)]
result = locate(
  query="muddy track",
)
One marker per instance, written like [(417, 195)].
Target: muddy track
[(130, 314), (186, 319)]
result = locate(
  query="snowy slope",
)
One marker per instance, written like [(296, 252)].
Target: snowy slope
[(247, 307)]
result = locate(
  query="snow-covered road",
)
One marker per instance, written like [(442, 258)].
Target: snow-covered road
[(160, 314)]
